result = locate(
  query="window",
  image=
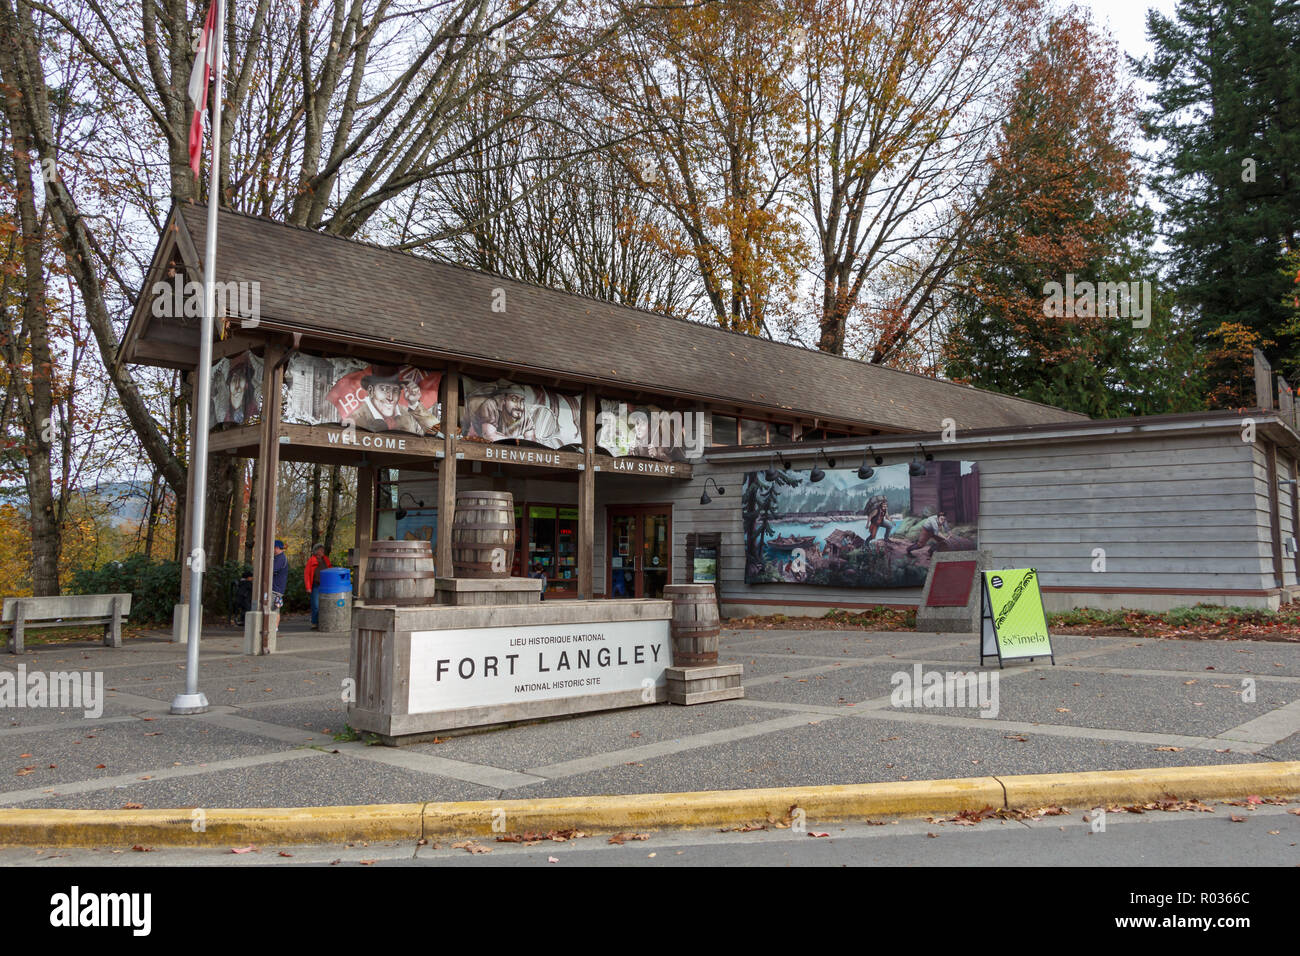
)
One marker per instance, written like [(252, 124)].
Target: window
[(725, 431), (753, 433)]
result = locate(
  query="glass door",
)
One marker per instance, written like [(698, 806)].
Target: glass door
[(639, 551)]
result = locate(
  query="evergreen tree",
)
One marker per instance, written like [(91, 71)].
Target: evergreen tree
[(1226, 108), (1063, 219)]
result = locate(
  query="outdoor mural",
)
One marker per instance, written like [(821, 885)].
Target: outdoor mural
[(374, 398), (237, 390), (504, 411), (647, 431), (847, 532)]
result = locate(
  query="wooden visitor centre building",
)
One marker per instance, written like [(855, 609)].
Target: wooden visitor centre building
[(643, 450)]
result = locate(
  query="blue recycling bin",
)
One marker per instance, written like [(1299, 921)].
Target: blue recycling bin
[(336, 581), (335, 601)]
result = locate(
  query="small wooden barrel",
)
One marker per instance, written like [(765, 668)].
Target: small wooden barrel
[(400, 573), (483, 534), (695, 624)]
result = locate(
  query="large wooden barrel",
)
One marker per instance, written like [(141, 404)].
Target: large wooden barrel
[(694, 625), (400, 573), (483, 534)]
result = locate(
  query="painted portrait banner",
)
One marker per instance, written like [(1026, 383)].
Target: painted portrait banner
[(849, 532), (647, 431), (237, 390), (348, 391), (504, 411)]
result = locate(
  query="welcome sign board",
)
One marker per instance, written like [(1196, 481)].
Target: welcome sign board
[(495, 666), (1013, 623)]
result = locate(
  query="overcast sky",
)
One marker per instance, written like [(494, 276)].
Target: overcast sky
[(1127, 20)]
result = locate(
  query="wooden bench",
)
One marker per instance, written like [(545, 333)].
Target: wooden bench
[(64, 611)]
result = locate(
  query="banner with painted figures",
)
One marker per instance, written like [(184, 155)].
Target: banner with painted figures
[(844, 531), (376, 398), (647, 431), (503, 411), (237, 390)]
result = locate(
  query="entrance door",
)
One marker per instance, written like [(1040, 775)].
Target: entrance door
[(639, 551)]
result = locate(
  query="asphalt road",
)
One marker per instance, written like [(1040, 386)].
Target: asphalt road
[(1266, 836)]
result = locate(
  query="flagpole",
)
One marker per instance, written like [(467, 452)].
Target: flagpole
[(193, 701)]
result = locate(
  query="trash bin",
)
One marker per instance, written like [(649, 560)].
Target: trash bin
[(335, 601)]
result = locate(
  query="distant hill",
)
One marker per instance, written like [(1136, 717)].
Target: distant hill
[(127, 501)]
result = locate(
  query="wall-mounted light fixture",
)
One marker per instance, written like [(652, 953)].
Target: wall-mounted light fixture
[(917, 468), (401, 512), (704, 498), (866, 471), (817, 473)]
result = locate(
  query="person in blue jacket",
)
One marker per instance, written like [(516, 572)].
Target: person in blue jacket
[(279, 576)]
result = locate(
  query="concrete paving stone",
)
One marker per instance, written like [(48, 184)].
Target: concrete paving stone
[(1166, 705), (327, 780), (764, 665), (862, 751), (237, 689), (848, 685), (1260, 658), (840, 644), (114, 706), (537, 745), (1286, 749), (140, 745), (323, 716), (212, 672)]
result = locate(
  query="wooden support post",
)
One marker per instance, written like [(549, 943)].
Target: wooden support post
[(113, 629), (447, 471), (269, 457), (366, 478), (1274, 513), (20, 616), (1295, 515), (587, 498)]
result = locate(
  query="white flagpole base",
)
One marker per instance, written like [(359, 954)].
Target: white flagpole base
[(189, 704)]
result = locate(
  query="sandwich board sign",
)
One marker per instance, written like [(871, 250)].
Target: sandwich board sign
[(1013, 622)]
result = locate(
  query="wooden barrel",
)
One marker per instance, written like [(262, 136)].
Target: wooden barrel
[(695, 624), (483, 534), (401, 573)]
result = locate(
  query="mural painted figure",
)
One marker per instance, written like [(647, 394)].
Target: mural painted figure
[(848, 532)]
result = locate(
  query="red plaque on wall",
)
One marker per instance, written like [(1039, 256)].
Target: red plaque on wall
[(951, 584)]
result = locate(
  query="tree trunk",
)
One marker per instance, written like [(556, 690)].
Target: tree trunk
[(37, 411), (315, 506), (332, 514), (234, 521), (250, 527)]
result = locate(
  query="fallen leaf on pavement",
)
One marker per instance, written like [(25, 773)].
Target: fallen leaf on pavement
[(618, 839), (817, 833), (244, 849), (471, 846)]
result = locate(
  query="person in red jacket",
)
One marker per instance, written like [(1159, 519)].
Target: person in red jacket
[(317, 563)]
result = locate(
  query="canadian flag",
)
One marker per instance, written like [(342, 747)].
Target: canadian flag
[(205, 61)]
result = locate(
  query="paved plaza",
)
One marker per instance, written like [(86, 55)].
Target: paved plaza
[(817, 711)]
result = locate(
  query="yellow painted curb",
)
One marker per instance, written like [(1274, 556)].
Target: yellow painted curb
[(1143, 786), (234, 827), (712, 807), (396, 822)]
